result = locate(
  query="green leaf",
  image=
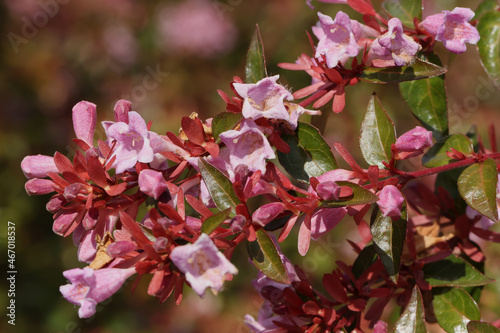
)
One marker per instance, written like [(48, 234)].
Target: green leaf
[(388, 238), (454, 308), (365, 259), (420, 69), (255, 69), (224, 121), (266, 258), (453, 272), (427, 101), (436, 156), (413, 318), (211, 223), (309, 156), (478, 187), (405, 10), (479, 327), (485, 7), (377, 134), (219, 186), (360, 196), (448, 180), (489, 44)]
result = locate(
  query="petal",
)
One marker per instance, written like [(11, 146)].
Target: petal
[(84, 121), (37, 166), (122, 108)]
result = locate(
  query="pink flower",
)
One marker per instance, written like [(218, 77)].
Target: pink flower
[(248, 146), (84, 121), (266, 99), (203, 264), (37, 166), (413, 142), (133, 142), (152, 183), (338, 39), (395, 45), (390, 201), (89, 287), (453, 28)]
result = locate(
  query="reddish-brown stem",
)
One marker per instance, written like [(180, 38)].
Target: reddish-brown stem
[(451, 166)]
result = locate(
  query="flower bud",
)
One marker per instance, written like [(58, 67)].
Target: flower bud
[(390, 201), (266, 213), (122, 108), (152, 183), (39, 186), (37, 166), (413, 142), (84, 121)]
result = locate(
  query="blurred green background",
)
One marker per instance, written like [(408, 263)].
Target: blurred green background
[(56, 53)]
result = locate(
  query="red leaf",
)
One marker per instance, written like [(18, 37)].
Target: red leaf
[(156, 282), (198, 206), (362, 6), (170, 212), (212, 148), (131, 226), (63, 163), (104, 148), (192, 130), (117, 189), (96, 171), (334, 287)]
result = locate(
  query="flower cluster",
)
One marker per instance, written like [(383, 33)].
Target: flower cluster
[(200, 186), (384, 43)]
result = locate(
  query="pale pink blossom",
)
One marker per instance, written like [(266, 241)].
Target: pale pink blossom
[(132, 142), (203, 264), (248, 146), (266, 99), (453, 28), (338, 40), (395, 45), (89, 287)]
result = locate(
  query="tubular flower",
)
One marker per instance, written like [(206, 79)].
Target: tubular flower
[(395, 45), (89, 287), (133, 142), (248, 146), (266, 99), (204, 265), (453, 28), (338, 39)]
